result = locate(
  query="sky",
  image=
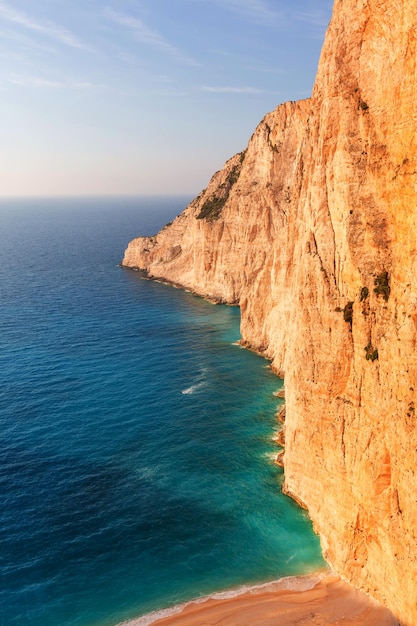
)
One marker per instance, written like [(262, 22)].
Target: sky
[(129, 97)]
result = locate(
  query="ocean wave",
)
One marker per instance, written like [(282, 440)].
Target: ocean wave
[(193, 388), (150, 618), (289, 583), (199, 383), (270, 456)]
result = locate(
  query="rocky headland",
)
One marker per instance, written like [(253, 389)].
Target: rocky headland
[(312, 232)]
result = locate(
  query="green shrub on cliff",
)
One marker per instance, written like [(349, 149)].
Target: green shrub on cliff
[(348, 313), (382, 287), (364, 294), (371, 353), (212, 208)]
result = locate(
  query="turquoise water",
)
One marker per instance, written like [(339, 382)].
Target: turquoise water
[(136, 436)]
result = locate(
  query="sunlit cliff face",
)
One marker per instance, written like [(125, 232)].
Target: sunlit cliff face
[(313, 232)]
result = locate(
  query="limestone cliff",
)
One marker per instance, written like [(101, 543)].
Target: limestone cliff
[(312, 231)]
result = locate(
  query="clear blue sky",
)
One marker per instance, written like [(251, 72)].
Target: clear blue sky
[(144, 96)]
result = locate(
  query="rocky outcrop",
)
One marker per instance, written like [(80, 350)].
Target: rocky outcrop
[(312, 231)]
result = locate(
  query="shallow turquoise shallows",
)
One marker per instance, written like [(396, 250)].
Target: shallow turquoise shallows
[(136, 438)]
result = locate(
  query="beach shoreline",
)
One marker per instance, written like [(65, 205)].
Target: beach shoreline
[(319, 599)]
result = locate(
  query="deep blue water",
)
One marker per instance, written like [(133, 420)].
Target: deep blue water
[(136, 439)]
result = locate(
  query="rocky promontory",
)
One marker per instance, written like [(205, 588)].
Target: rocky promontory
[(312, 232)]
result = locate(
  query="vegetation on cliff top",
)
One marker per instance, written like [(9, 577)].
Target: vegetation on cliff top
[(212, 208)]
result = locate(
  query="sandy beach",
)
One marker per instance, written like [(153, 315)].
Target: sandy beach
[(319, 601)]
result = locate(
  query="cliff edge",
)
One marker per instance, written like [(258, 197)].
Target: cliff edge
[(312, 231)]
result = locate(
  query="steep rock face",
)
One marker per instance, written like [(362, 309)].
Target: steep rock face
[(313, 232), (220, 243)]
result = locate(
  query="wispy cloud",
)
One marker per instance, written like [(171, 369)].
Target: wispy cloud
[(146, 35), (162, 78), (231, 89), (253, 10), (317, 22), (42, 83), (267, 70), (29, 46), (316, 18), (264, 12), (48, 28)]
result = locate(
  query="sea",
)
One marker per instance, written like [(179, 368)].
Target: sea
[(137, 455)]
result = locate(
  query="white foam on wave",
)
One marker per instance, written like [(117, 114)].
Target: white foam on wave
[(270, 456), (200, 382), (289, 583), (150, 618), (193, 388)]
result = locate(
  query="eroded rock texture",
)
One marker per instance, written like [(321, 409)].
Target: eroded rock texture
[(313, 232)]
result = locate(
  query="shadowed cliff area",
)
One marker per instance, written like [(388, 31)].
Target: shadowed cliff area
[(312, 231)]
